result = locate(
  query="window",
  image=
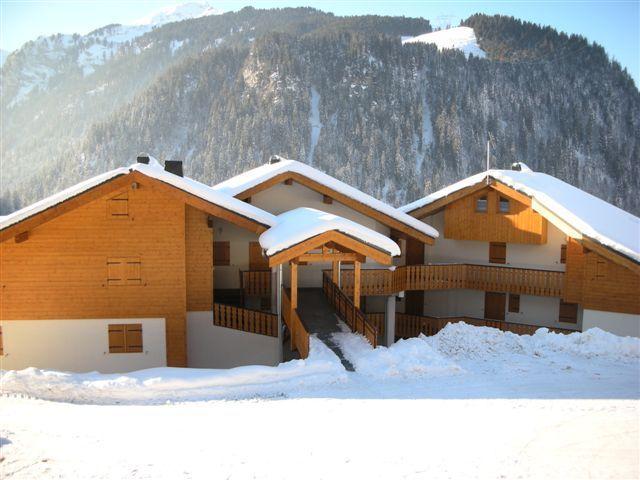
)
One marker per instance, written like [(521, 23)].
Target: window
[(125, 338), (118, 206), (563, 254), (257, 261), (568, 312), (497, 252), (514, 303), (124, 271), (503, 205), (221, 254), (481, 204)]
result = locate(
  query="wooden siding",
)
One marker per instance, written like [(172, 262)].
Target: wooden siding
[(520, 225), (61, 272), (598, 283), (199, 260)]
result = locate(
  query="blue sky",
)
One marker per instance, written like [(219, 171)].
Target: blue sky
[(614, 24)]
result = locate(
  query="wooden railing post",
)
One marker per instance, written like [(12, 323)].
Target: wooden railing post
[(356, 284)]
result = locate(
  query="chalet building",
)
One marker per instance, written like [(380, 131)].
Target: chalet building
[(143, 267)]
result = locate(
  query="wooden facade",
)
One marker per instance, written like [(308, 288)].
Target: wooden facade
[(518, 224)]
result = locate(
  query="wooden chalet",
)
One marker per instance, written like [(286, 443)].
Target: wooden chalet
[(142, 267)]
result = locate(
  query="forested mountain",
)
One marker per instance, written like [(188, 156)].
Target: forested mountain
[(224, 92)]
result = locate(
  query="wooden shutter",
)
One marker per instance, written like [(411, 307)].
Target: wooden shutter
[(568, 312), (256, 260), (1, 342), (494, 305), (116, 339), (125, 338), (514, 303), (497, 252), (118, 206), (124, 271), (601, 268), (563, 254), (221, 253)]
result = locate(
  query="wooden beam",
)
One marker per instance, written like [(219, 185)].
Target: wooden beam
[(356, 284), (339, 197), (338, 237), (327, 199), (294, 285), (335, 272), (511, 193), (247, 200), (331, 257), (288, 181), (22, 237), (439, 204)]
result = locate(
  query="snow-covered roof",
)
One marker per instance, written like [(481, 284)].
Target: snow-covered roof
[(589, 215), (457, 38), (244, 181), (300, 224), (153, 170)]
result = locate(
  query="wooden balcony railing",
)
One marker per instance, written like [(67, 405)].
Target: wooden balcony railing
[(458, 275), (255, 282), (299, 333), (348, 312), (251, 321), (377, 320), (408, 326)]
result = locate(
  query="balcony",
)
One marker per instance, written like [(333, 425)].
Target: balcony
[(459, 275)]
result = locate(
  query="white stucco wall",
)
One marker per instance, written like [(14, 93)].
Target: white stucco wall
[(78, 345), (619, 323), (210, 346), (545, 256)]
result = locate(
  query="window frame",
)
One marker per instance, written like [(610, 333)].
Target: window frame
[(483, 198), (502, 200)]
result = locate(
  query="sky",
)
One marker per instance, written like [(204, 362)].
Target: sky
[(615, 24)]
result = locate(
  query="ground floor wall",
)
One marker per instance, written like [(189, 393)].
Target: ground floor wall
[(619, 323), (534, 310), (210, 346), (79, 345)]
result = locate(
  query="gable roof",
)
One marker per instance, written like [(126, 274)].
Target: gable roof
[(153, 170), (590, 216), (297, 225), (244, 184)]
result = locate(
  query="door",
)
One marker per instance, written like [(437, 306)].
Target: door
[(495, 305)]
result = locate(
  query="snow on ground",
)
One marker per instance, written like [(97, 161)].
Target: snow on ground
[(458, 38), (470, 402)]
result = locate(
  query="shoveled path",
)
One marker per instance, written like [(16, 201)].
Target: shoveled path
[(320, 318)]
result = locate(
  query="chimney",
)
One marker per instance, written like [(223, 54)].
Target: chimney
[(173, 166), (143, 158), (517, 166), (274, 159)]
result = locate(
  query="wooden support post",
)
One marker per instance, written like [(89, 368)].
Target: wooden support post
[(294, 285), (356, 284), (335, 271)]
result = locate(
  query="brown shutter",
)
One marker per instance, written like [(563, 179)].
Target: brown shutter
[(256, 260), (494, 305), (563, 254), (497, 252), (1, 342), (514, 303), (568, 312), (118, 206), (133, 338), (221, 253), (124, 271), (116, 338)]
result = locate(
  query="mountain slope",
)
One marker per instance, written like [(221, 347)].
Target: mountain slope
[(224, 92)]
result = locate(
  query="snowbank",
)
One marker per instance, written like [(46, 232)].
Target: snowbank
[(404, 359), (462, 341), (156, 385)]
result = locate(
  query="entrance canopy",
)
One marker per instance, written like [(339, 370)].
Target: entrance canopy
[(308, 235)]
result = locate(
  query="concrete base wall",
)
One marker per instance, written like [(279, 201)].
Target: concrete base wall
[(623, 324), (79, 345), (210, 346)]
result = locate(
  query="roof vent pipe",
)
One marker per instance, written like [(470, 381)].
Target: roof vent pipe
[(143, 158), (173, 166)]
